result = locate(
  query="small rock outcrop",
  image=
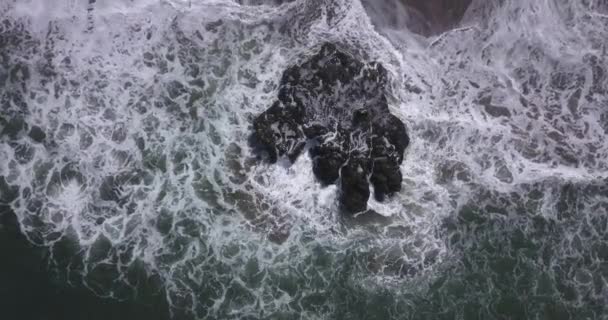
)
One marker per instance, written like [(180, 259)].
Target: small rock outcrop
[(431, 17), (335, 105)]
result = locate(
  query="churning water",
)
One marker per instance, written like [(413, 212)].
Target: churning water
[(124, 154)]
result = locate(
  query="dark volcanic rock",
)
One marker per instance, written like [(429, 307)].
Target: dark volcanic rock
[(337, 105), (436, 16), (354, 183)]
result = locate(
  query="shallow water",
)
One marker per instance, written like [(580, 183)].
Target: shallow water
[(143, 191)]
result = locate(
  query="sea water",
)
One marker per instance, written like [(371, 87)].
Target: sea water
[(124, 159)]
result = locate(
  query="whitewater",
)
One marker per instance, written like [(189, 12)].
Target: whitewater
[(124, 153)]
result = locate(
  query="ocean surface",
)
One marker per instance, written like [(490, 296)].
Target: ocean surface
[(128, 189)]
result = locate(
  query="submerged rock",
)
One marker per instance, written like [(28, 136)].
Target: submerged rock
[(336, 104)]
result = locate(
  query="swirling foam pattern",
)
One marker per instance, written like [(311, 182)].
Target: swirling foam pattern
[(124, 152)]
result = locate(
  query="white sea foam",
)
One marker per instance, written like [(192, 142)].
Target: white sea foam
[(148, 113)]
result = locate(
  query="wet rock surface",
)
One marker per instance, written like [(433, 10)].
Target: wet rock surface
[(424, 17), (431, 17), (335, 105)]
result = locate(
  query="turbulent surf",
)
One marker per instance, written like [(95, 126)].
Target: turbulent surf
[(126, 155)]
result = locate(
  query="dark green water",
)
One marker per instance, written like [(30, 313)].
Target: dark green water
[(510, 266), (31, 288)]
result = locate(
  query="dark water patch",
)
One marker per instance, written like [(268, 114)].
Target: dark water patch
[(46, 282), (32, 290), (524, 265)]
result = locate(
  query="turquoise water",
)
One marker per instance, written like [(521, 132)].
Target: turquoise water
[(141, 198)]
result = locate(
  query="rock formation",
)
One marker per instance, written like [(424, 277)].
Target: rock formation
[(335, 105), (436, 16)]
